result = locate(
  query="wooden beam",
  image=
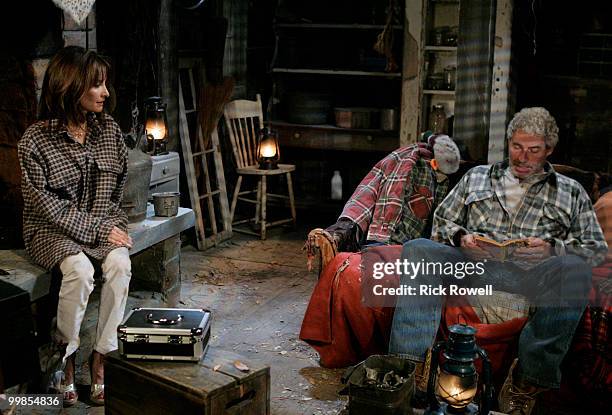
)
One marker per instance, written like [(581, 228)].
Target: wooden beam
[(410, 123), (500, 85)]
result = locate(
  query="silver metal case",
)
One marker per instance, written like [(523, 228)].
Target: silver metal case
[(165, 334)]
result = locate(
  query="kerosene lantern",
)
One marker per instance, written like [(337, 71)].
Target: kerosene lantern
[(156, 126), (268, 152), (457, 383)]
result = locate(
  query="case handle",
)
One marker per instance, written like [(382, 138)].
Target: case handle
[(164, 321)]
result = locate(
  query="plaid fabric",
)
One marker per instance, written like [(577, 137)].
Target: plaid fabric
[(71, 192), (422, 194), (603, 210), (555, 208), (377, 203)]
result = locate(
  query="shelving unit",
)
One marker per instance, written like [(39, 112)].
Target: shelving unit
[(437, 92), (322, 62), (337, 72), (334, 26), (439, 54)]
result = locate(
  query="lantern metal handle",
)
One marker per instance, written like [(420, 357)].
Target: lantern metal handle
[(434, 405), (487, 393)]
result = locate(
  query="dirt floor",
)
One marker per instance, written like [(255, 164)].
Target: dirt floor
[(258, 292)]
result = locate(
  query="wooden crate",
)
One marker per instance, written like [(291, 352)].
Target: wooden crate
[(148, 387)]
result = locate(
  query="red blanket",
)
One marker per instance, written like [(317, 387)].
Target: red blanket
[(344, 332)]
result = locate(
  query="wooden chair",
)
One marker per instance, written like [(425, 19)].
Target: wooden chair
[(243, 120)]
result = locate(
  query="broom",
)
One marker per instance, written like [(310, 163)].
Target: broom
[(210, 109)]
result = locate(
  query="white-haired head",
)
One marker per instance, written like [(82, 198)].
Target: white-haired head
[(536, 121)]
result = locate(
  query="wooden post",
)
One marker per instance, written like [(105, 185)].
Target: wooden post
[(414, 37), (500, 94)]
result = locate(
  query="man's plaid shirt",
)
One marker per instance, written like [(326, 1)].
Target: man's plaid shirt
[(555, 208), (71, 191)]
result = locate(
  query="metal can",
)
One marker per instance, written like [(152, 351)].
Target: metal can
[(166, 204)]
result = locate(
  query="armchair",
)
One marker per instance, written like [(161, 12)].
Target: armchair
[(344, 332)]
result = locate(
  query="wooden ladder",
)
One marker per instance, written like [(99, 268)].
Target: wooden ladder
[(198, 164)]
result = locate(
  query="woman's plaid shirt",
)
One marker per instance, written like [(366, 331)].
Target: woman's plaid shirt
[(556, 209), (71, 192)]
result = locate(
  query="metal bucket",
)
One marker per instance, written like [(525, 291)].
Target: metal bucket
[(388, 119), (166, 204), (365, 398)]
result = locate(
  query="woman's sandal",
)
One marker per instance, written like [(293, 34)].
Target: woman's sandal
[(97, 393), (70, 394)]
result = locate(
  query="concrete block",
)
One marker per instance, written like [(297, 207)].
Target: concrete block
[(19, 270), (172, 297)]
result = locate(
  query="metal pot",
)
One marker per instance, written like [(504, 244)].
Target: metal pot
[(166, 204), (388, 119)]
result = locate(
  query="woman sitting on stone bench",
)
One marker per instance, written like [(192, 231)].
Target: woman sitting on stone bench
[(74, 166)]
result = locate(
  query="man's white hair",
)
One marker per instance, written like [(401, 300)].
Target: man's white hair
[(536, 121)]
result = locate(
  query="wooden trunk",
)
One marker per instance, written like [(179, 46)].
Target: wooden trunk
[(145, 387)]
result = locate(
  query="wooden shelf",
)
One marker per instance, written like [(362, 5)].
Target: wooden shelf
[(335, 26), (333, 128), (438, 92), (338, 72), (328, 137), (429, 48)]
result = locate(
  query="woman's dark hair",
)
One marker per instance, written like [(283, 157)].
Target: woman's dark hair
[(70, 74)]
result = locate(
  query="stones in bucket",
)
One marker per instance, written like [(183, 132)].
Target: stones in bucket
[(380, 384), (166, 204)]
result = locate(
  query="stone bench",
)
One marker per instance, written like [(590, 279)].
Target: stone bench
[(158, 267)]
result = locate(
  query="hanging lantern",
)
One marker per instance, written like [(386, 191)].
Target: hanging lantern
[(156, 125), (457, 383), (268, 152)]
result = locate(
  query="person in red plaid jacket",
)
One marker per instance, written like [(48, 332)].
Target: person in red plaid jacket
[(395, 201), (74, 167)]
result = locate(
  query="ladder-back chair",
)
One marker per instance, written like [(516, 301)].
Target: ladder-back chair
[(243, 120)]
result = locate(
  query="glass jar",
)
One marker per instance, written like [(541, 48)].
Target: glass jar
[(437, 119), (435, 81), (449, 77), (438, 35), (450, 36)]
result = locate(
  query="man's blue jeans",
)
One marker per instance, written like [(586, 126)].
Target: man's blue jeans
[(559, 287)]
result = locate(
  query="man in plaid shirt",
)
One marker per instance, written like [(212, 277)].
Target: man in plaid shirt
[(522, 197)]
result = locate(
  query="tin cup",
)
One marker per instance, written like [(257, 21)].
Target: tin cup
[(166, 204)]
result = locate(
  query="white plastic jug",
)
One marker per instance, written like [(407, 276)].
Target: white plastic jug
[(336, 186)]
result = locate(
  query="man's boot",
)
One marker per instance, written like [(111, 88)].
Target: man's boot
[(518, 398), (421, 378)]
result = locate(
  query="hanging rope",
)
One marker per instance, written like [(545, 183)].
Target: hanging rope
[(535, 26)]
